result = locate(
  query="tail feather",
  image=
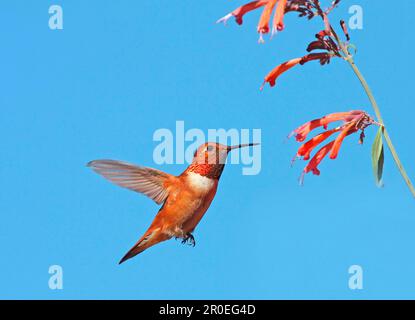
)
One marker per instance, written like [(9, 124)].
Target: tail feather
[(149, 239)]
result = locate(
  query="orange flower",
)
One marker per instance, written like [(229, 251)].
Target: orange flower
[(305, 8), (306, 149), (301, 132), (324, 42), (275, 73), (312, 165), (241, 11), (272, 77), (283, 7), (353, 122), (278, 24), (347, 130), (263, 25)]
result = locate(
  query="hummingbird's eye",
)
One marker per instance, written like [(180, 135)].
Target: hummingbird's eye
[(209, 148)]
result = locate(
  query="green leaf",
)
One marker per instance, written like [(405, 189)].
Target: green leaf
[(378, 157)]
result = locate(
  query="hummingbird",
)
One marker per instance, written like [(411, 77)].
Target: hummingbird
[(184, 198)]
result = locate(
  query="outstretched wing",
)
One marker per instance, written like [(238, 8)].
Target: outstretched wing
[(150, 182)]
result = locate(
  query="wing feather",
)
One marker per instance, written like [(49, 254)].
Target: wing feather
[(150, 182)]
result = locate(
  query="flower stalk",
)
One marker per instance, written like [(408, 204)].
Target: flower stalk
[(349, 58), (376, 108), (328, 45)]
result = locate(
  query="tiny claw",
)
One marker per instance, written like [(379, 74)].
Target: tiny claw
[(189, 238)]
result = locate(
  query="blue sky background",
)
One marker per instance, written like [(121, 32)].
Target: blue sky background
[(121, 70)]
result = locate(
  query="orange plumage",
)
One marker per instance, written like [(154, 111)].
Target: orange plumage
[(185, 198)]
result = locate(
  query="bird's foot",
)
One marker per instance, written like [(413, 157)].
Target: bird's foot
[(189, 239)]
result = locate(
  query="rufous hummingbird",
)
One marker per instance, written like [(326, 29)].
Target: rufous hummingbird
[(185, 198)]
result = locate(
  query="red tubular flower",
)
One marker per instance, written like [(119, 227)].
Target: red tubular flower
[(278, 24), (305, 8), (324, 42), (353, 122), (348, 129), (320, 155), (263, 25), (272, 77), (279, 70), (301, 132), (306, 149), (241, 11), (282, 7)]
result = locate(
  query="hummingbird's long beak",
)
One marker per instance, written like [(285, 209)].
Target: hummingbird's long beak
[(238, 146)]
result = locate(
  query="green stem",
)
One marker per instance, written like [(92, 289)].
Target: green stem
[(372, 99), (349, 58)]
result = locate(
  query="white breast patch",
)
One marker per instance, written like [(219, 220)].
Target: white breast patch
[(200, 182)]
